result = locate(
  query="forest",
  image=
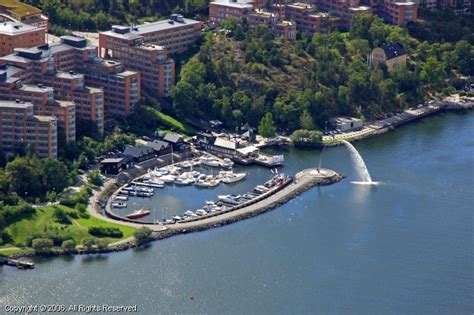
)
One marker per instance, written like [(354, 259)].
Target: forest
[(241, 74)]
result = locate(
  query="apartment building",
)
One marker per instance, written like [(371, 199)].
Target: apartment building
[(397, 12), (176, 34), (39, 66), (157, 70), (42, 97), (17, 11), (282, 28), (221, 10), (19, 125), (309, 20), (14, 35)]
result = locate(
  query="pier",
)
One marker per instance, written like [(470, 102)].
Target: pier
[(20, 264)]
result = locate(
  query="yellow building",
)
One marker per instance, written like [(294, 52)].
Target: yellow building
[(392, 55)]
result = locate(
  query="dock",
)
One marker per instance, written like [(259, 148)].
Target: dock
[(20, 264)]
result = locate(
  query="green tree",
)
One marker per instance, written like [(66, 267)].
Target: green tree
[(306, 121), (266, 128), (88, 243), (68, 246), (142, 234), (42, 245), (101, 244)]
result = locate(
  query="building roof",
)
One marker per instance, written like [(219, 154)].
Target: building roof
[(14, 104), (111, 161), (13, 28), (157, 145), (138, 152), (393, 50), (224, 143), (173, 137), (233, 4), (19, 8), (343, 119)]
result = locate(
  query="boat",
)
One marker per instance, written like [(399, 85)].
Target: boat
[(201, 212), (210, 161), (229, 199), (233, 177), (183, 181), (119, 204), (227, 163), (260, 189), (168, 178), (138, 214), (188, 213), (122, 198), (177, 218), (207, 183)]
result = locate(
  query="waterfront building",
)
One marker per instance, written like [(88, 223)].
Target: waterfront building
[(346, 123), (391, 55), (15, 35), (17, 11), (176, 141), (19, 125), (177, 34)]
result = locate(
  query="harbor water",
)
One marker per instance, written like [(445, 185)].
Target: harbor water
[(402, 246)]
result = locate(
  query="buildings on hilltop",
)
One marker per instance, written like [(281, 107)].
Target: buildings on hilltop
[(391, 55), (14, 35), (311, 16)]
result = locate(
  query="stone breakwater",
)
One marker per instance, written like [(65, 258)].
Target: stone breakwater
[(304, 180)]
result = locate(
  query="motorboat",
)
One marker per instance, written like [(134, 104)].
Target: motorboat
[(232, 177), (121, 198), (119, 204), (260, 189), (138, 214), (177, 218), (201, 212), (188, 213), (168, 178), (227, 163), (207, 183), (229, 199), (183, 181), (210, 161)]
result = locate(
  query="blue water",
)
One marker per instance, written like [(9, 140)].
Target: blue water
[(404, 246)]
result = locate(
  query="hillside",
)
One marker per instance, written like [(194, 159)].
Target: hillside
[(240, 74)]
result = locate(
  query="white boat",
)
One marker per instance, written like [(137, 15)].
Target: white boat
[(201, 212), (119, 204), (207, 183), (183, 181), (177, 218), (121, 198), (233, 177), (230, 199), (186, 164), (188, 213), (227, 163), (168, 178), (210, 161)]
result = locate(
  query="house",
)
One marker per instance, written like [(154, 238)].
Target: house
[(139, 154), (345, 123), (176, 141), (249, 135), (160, 147), (392, 55), (112, 166)]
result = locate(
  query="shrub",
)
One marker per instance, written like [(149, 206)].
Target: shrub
[(68, 246), (105, 231), (42, 245), (142, 234)]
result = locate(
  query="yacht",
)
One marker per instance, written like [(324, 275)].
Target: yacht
[(207, 183), (229, 199), (119, 204), (138, 214), (168, 178), (210, 161), (232, 177), (121, 198), (183, 181), (227, 163), (188, 213), (201, 212)]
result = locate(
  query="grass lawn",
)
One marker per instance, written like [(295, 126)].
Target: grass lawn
[(44, 219)]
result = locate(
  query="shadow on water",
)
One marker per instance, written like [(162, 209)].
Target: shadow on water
[(142, 248), (92, 258)]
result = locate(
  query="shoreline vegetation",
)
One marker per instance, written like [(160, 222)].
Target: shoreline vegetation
[(95, 220)]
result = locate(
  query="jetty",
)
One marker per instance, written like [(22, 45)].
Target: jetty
[(19, 263)]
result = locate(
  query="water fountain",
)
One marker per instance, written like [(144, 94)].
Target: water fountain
[(361, 168)]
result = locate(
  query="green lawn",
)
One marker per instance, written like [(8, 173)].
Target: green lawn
[(44, 218)]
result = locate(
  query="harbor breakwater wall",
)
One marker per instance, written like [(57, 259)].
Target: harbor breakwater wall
[(304, 181)]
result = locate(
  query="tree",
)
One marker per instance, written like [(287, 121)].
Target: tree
[(61, 216), (42, 245), (88, 243), (142, 234), (95, 178), (266, 128), (101, 244), (68, 246), (306, 121)]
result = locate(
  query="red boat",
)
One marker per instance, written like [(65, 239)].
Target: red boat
[(138, 214)]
